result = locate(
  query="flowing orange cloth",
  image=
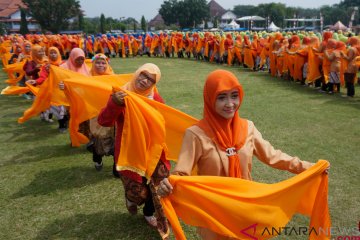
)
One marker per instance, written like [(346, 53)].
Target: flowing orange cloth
[(80, 92), (11, 70), (227, 133), (49, 92), (84, 106), (13, 90), (244, 209)]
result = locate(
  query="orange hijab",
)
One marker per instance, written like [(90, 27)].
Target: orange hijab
[(108, 70), (58, 61), (147, 67), (70, 63), (228, 134), (34, 55)]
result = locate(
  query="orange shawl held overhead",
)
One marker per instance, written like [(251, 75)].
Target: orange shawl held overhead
[(243, 209)]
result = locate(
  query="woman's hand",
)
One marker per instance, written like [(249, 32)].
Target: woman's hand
[(61, 85), (31, 81), (164, 188), (118, 98), (326, 171), (47, 67)]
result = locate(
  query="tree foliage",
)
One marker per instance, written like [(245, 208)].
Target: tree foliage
[(187, 13), (23, 22), (102, 23), (143, 23), (53, 15)]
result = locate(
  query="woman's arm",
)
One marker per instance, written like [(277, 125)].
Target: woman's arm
[(113, 109), (275, 158)]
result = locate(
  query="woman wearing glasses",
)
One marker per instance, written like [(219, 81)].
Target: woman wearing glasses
[(137, 190)]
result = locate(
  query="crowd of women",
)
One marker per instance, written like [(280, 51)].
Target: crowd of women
[(220, 144), (325, 61)]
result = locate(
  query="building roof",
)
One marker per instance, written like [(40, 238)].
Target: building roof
[(215, 9), (156, 20), (9, 7)]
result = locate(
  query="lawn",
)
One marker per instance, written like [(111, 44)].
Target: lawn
[(49, 190)]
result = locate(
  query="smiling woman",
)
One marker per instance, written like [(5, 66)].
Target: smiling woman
[(223, 144)]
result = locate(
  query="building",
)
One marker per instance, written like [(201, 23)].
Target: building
[(11, 17), (156, 22), (216, 11)]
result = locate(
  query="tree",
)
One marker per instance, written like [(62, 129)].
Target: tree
[(244, 10), (81, 21), (186, 13), (102, 23), (23, 22), (143, 23), (53, 15)]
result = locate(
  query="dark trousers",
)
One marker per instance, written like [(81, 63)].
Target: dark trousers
[(148, 209), (349, 80)]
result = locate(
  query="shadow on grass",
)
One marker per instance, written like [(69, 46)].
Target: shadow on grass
[(41, 153), (101, 225), (47, 182)]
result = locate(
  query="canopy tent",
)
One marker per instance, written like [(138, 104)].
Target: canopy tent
[(251, 18), (232, 25), (339, 26), (272, 27)]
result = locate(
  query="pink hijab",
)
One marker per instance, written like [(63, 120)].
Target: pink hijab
[(70, 63)]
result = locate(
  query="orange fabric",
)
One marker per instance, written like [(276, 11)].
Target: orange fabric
[(244, 209), (12, 70), (80, 92), (14, 90), (49, 93), (227, 133)]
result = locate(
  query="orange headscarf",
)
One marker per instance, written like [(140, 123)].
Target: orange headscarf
[(34, 55), (70, 63), (149, 68), (108, 70), (228, 134), (58, 61)]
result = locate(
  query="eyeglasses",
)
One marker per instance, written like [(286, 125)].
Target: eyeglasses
[(144, 75)]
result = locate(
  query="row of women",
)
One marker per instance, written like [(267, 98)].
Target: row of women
[(303, 57), (133, 125)]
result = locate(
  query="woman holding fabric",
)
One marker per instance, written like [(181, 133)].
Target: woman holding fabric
[(223, 144), (137, 190), (102, 138), (75, 63)]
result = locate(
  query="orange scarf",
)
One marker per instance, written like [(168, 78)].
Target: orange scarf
[(244, 209), (58, 61), (34, 55), (228, 134)]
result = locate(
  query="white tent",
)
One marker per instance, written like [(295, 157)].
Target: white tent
[(251, 18), (272, 27), (232, 25)]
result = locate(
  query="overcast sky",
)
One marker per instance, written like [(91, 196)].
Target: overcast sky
[(149, 8)]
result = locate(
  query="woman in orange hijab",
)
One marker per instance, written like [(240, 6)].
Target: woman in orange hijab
[(137, 190), (223, 144)]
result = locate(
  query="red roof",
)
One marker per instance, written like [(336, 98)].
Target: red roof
[(8, 7)]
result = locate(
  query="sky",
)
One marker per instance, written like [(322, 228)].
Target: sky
[(149, 8)]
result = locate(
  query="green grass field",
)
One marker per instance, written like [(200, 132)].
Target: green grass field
[(49, 190)]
